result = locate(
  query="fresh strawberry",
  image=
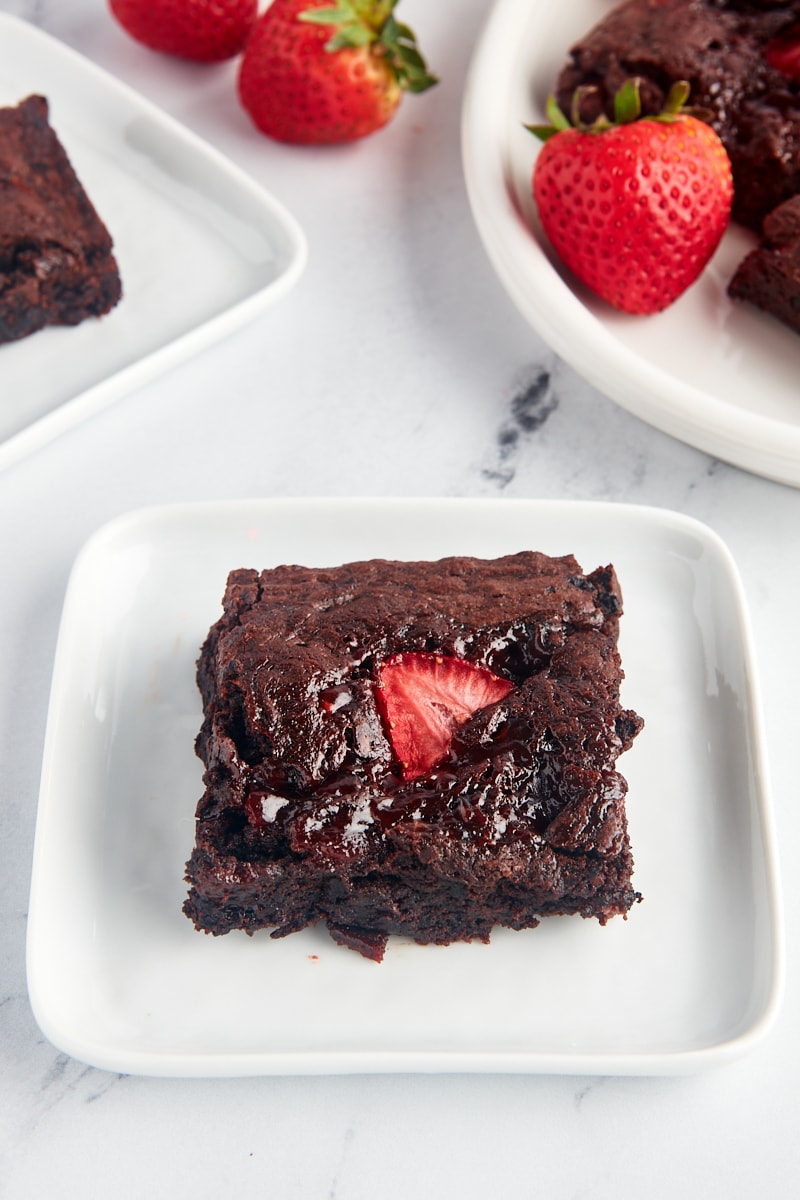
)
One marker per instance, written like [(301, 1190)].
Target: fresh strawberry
[(202, 30), (315, 72), (424, 697), (634, 208)]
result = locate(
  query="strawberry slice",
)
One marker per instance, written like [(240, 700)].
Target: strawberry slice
[(423, 698)]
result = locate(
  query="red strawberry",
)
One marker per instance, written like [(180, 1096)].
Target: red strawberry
[(314, 72), (423, 698), (203, 30), (636, 208)]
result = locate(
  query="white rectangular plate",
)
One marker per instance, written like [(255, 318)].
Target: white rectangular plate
[(118, 977), (201, 248), (715, 373)]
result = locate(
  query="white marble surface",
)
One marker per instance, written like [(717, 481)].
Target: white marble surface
[(396, 367)]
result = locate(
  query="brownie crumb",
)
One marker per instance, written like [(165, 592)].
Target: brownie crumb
[(769, 277)]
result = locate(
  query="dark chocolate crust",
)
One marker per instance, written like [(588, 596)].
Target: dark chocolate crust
[(769, 277), (718, 47), (305, 816), (56, 260)]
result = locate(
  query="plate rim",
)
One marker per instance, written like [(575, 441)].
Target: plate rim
[(121, 382), (313, 1061)]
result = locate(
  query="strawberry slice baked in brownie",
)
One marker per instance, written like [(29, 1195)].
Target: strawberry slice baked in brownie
[(426, 749)]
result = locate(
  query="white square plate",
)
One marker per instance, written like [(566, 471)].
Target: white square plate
[(118, 977), (714, 373), (201, 248)]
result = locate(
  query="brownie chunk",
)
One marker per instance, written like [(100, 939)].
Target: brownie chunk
[(56, 260), (769, 276), (308, 814), (726, 50)]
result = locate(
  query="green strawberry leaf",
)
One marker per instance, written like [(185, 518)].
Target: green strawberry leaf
[(351, 30), (335, 15), (358, 23), (627, 103), (400, 46), (558, 122), (350, 37), (627, 109), (677, 97)]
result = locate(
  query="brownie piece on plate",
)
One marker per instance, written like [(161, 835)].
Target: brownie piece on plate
[(769, 276), (742, 60), (422, 748), (56, 261)]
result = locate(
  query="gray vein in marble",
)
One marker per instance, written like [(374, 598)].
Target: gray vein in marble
[(66, 1076), (34, 11), (531, 405), (592, 1085), (347, 1141)]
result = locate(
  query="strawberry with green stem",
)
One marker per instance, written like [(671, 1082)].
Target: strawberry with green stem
[(634, 207), (315, 72)]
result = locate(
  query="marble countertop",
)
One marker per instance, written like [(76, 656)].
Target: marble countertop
[(396, 366)]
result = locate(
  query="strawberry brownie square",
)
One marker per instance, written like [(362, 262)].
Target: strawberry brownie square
[(418, 748)]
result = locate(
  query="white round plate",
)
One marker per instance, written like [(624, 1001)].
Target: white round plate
[(720, 376)]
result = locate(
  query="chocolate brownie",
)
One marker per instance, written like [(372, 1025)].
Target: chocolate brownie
[(312, 812), (726, 50), (769, 276), (56, 260)]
